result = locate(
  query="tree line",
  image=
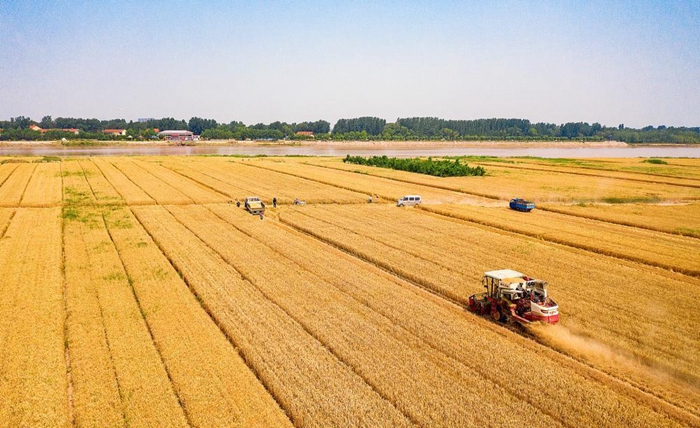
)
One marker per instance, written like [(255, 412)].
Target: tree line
[(361, 128), (438, 168)]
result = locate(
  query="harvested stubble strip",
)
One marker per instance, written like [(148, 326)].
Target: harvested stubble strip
[(147, 396), (96, 399), (268, 183), (368, 184), (195, 191), (33, 377), (678, 219), (12, 190), (657, 249), (188, 169), (438, 323), (309, 382), (213, 383), (432, 389), (76, 190), (619, 319), (162, 192), (104, 192), (132, 194)]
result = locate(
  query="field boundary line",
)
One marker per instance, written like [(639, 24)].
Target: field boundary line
[(94, 197), (26, 186), (213, 317), (313, 180), (642, 180), (145, 321), (192, 201), (551, 208), (154, 178), (64, 292), (187, 177), (302, 325), (684, 271), (626, 387), (126, 202), (14, 167), (6, 226), (382, 272)]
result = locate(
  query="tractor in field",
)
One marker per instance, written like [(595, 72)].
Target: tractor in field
[(511, 296), (254, 205), (518, 204)]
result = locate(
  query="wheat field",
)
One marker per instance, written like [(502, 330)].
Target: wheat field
[(134, 292)]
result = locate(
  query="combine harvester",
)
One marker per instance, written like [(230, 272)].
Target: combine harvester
[(254, 205), (511, 296), (518, 204)]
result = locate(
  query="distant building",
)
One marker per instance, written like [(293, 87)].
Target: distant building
[(178, 135), (115, 131), (305, 134), (145, 119), (43, 131)]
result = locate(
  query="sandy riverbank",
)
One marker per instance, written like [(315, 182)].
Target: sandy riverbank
[(331, 144)]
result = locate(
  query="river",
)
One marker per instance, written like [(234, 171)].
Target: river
[(545, 152)]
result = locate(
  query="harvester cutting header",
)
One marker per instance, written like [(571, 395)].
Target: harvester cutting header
[(513, 296)]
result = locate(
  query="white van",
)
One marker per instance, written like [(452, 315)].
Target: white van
[(408, 201)]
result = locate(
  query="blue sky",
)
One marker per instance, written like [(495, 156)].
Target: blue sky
[(632, 62)]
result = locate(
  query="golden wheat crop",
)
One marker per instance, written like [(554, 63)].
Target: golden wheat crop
[(160, 191), (502, 182), (657, 249), (422, 247), (13, 188), (311, 384), (129, 191), (681, 219), (44, 188), (33, 374), (147, 396), (199, 193), (367, 184), (101, 188), (445, 328), (237, 181), (213, 383)]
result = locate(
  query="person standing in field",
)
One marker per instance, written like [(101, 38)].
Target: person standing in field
[(274, 202), (238, 203)]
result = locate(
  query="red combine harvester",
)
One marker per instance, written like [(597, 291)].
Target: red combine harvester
[(512, 296)]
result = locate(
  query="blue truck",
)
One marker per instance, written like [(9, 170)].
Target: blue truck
[(521, 205)]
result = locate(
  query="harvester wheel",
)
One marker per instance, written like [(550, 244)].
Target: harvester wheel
[(496, 315)]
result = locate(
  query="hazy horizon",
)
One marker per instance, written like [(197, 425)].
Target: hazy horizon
[(636, 63)]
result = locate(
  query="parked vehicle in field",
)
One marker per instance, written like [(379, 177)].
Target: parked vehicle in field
[(511, 296), (254, 205), (409, 201), (521, 205)]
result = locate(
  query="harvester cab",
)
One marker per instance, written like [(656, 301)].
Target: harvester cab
[(513, 296)]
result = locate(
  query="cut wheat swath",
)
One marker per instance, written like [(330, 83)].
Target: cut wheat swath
[(33, 384), (214, 384)]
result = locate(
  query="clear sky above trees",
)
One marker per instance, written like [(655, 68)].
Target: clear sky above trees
[(632, 62)]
